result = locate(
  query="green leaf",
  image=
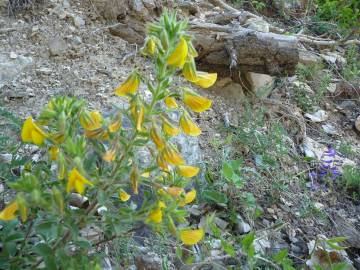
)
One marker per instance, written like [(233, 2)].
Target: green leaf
[(228, 248), (214, 196), (227, 171), (46, 252), (340, 266), (337, 239), (335, 246), (247, 243), (280, 256), (14, 237)]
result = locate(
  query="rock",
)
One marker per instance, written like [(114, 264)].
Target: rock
[(260, 83), (332, 87), (319, 206), (303, 86), (357, 123), (330, 129), (10, 68), (316, 150), (6, 158), (308, 58), (13, 55), (257, 25), (318, 116), (148, 260), (215, 244), (58, 46), (241, 226), (44, 70), (333, 57), (78, 21)]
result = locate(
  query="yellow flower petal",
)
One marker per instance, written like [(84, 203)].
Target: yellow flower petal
[(115, 126), (124, 196), (204, 79), (109, 155), (188, 171), (156, 215), (161, 163), (191, 237), (188, 126), (170, 102), (189, 197), (9, 211), (170, 129), (196, 103), (178, 57), (174, 191), (54, 151), (172, 156), (32, 133), (130, 86), (77, 181), (161, 204), (91, 121), (145, 174), (156, 138)]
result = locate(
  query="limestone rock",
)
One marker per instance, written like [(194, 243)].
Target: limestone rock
[(10, 68), (260, 82), (58, 46), (318, 116), (308, 58)]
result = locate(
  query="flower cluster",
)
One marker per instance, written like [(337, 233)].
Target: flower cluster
[(96, 156), (329, 166)]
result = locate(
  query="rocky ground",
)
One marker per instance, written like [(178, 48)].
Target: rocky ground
[(65, 48)]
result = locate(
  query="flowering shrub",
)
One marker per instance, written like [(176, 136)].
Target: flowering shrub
[(91, 174)]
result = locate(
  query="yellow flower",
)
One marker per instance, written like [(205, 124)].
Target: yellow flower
[(178, 57), (161, 163), (9, 211), (124, 196), (189, 197), (188, 126), (172, 156), (170, 102), (134, 179), (91, 120), (189, 70), (109, 155), (174, 191), (196, 103), (32, 133), (54, 151), (156, 138), (130, 85), (191, 237), (188, 171), (204, 79), (156, 215), (170, 129), (115, 126), (145, 174), (138, 113), (77, 181)]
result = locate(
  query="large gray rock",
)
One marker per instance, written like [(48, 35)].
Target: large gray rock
[(11, 68)]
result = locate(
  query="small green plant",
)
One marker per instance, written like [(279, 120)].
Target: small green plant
[(351, 71), (351, 179), (313, 76)]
